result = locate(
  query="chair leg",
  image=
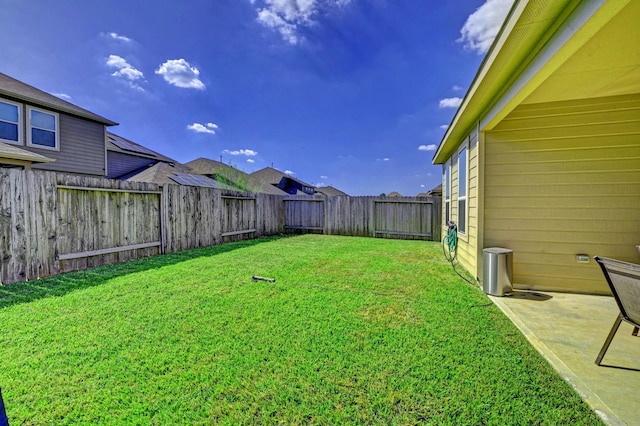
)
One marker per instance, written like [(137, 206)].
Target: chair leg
[(607, 342), (635, 331)]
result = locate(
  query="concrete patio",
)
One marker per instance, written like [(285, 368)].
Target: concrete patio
[(569, 330)]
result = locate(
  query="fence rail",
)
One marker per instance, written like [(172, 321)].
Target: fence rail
[(52, 223)]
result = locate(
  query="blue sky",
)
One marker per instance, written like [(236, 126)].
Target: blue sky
[(350, 93)]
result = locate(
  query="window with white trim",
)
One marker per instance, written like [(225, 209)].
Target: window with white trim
[(447, 192), (42, 129), (10, 128), (463, 173)]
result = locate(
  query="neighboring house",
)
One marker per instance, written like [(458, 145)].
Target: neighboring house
[(230, 176), (133, 162), (176, 174), (330, 191), (63, 136), (126, 158), (282, 181), (435, 191), (394, 194), (543, 154), (212, 168), (200, 172)]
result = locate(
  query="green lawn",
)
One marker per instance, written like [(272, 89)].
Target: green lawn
[(354, 331)]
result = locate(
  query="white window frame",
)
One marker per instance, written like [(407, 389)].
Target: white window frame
[(447, 192), (19, 123), (464, 211), (56, 132)]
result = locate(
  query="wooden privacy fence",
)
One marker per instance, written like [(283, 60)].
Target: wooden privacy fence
[(52, 223), (388, 217)]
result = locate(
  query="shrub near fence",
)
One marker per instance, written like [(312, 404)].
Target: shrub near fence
[(52, 223)]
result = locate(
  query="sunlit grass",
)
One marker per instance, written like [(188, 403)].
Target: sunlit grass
[(354, 331)]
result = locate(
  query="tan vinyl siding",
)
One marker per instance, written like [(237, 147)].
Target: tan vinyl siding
[(82, 148), (469, 258), (563, 179), (467, 242)]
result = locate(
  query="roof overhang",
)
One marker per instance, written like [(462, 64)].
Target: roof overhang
[(18, 155), (548, 51), (22, 92)]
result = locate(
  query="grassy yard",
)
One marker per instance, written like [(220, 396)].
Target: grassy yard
[(354, 331)]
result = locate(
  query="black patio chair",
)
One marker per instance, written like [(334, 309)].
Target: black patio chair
[(624, 280)]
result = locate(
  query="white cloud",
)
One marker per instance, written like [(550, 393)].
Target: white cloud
[(250, 160), (273, 21), (483, 25), (450, 102), (181, 73), (444, 127), (247, 152), (456, 88), (324, 177), (431, 147), (119, 37), (125, 71), (287, 16), (203, 128), (422, 186), (289, 173), (62, 96)]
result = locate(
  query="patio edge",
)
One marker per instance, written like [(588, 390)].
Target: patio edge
[(606, 414)]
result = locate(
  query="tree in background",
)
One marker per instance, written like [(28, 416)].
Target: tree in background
[(230, 175)]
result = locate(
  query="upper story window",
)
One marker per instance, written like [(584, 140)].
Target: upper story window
[(10, 129), (42, 129), (463, 167)]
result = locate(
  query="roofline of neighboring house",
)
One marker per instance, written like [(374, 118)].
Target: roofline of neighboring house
[(506, 75), (51, 102), (284, 175), (155, 156)]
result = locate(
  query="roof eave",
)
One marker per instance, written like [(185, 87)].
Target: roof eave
[(494, 75), (452, 135)]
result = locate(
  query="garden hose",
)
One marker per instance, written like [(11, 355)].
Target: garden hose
[(450, 242), (450, 248)]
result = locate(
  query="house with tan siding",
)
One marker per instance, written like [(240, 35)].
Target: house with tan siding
[(543, 155)]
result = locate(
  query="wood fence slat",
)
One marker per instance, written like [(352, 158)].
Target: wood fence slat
[(245, 231), (69, 256), (88, 188)]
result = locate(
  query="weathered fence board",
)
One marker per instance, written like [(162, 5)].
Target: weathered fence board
[(239, 216), (269, 214), (192, 217), (304, 213), (104, 221), (52, 223), (349, 216), (12, 237), (404, 218)]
